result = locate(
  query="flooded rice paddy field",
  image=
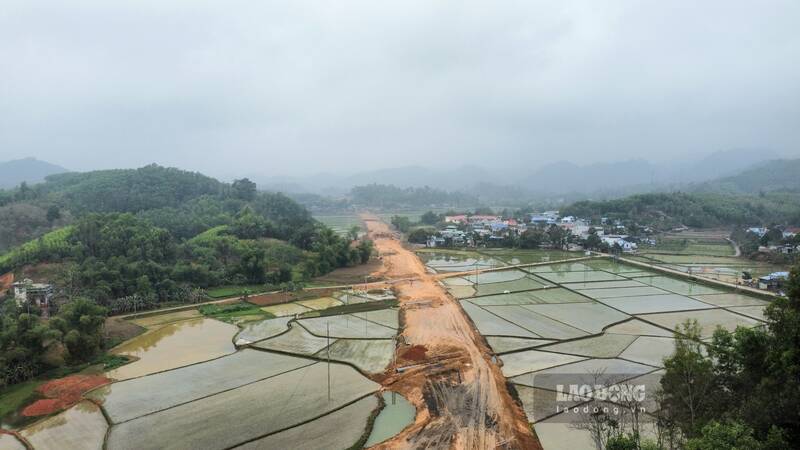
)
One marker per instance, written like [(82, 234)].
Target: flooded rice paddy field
[(589, 317), (191, 387), (174, 345)]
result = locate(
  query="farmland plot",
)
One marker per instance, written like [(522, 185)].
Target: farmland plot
[(586, 371), (621, 319), (386, 317), (297, 340), (261, 408), (604, 284), (515, 364), (371, 356), (337, 430), (80, 427), (622, 292), (286, 309), (654, 303), (731, 299), (264, 329), (576, 277), (134, 398), (175, 345), (9, 442), (502, 344), (589, 317), (650, 350), (707, 319), (320, 303), (545, 327), (492, 325), (603, 346), (347, 326), (522, 284)]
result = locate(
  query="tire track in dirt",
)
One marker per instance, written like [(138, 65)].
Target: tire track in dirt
[(461, 396)]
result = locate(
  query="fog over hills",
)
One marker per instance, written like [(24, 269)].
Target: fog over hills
[(609, 178)]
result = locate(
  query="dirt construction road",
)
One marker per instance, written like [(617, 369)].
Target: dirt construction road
[(460, 394)]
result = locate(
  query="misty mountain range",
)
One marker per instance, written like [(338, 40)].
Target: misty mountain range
[(735, 171), (604, 179)]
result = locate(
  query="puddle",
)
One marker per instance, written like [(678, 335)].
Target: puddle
[(397, 414), (175, 345)]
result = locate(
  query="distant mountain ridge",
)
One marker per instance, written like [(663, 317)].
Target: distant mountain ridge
[(29, 170), (770, 176), (597, 180)]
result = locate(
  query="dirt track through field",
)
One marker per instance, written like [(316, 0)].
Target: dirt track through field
[(461, 396)]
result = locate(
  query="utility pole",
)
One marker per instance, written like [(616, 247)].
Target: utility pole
[(328, 326)]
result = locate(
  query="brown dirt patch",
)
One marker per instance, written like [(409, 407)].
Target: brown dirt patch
[(277, 298), (6, 280), (118, 330), (351, 275), (414, 353), (62, 393)]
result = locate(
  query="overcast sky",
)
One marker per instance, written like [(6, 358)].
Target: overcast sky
[(277, 87)]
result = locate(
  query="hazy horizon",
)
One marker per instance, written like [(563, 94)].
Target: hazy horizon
[(291, 88)]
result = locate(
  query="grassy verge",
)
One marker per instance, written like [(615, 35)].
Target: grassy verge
[(229, 313), (234, 290), (16, 396)]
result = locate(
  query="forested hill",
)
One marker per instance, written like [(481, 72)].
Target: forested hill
[(667, 210), (777, 175), (127, 190), (157, 233)]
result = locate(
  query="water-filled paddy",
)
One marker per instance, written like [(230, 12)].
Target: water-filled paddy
[(614, 318), (490, 324), (9, 442), (654, 303), (545, 327), (371, 356), (286, 309), (347, 326), (297, 340), (80, 427), (707, 319), (137, 397), (502, 344), (603, 346), (246, 413), (263, 329), (337, 430), (175, 345)]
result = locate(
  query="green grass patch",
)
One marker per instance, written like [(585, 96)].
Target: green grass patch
[(234, 290), (228, 313), (16, 396)]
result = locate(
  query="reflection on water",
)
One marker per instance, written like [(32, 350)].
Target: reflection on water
[(396, 415), (175, 345), (81, 427)]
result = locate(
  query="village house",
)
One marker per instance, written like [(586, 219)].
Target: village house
[(620, 240), (773, 281), (39, 294)]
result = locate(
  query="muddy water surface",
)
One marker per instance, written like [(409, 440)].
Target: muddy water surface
[(175, 345)]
